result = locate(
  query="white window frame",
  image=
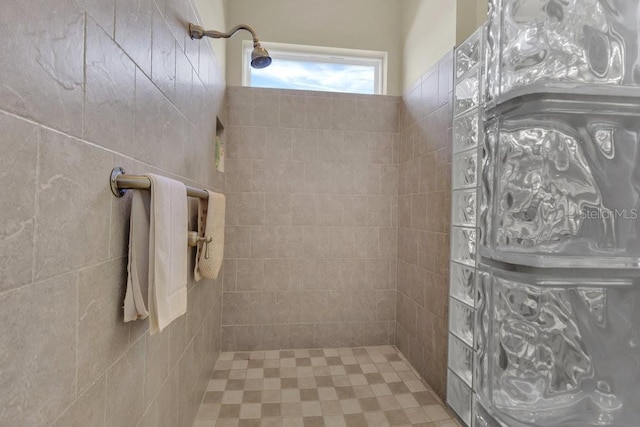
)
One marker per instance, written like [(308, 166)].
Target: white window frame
[(334, 55)]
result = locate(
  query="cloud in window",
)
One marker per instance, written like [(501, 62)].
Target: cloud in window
[(318, 76)]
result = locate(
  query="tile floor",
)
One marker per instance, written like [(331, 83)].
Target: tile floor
[(372, 386)]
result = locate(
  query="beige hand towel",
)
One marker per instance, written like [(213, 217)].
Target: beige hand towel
[(210, 225), (158, 258), (138, 267)]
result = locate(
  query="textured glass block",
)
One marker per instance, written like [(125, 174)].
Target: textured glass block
[(461, 359), (467, 93), (469, 54), (464, 208), (482, 418), (492, 53), (463, 245), (461, 318), (482, 324), (465, 169), (463, 283), (466, 131), (564, 349), (571, 42), (459, 397), (566, 190), (487, 184)]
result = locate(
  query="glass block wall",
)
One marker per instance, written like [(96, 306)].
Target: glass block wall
[(544, 314), (467, 130)]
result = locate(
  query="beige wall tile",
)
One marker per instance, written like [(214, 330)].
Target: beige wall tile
[(168, 402), (174, 142), (48, 90), (379, 211), (249, 142), (237, 242), (278, 209), (367, 179), (277, 275), (290, 242), (88, 410), (389, 176), (249, 337), (150, 417), (163, 55), (303, 274), (19, 146), (388, 244), (238, 175), (279, 143), (287, 307), (380, 148), (264, 242), (390, 112), (377, 274), (251, 208), (133, 30), (318, 112), (344, 113), (264, 178), (305, 145), (38, 351), (303, 209), (354, 210), (151, 120), (291, 177), (316, 242), (266, 108), (102, 334), (404, 211), (369, 114), (419, 211), (73, 205), (313, 307), (250, 275), (292, 112), (329, 209), (81, 229), (356, 146), (334, 210), (156, 365), (125, 387), (331, 146)]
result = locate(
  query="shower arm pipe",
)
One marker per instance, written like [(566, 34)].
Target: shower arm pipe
[(197, 32), (121, 182)]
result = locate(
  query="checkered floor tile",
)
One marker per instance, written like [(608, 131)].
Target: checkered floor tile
[(372, 386)]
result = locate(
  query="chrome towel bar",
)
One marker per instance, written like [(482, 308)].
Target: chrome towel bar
[(121, 182)]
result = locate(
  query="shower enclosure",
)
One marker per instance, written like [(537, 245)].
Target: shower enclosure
[(545, 240)]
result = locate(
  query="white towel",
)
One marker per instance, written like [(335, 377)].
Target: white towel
[(211, 226), (158, 254)]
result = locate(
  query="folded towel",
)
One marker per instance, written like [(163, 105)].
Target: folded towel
[(138, 267), (211, 226), (158, 254)]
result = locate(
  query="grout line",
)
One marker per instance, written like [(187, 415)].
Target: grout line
[(36, 203)]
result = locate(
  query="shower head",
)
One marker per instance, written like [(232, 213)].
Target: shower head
[(259, 57)]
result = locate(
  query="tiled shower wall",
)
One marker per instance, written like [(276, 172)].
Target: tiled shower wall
[(423, 223), (85, 88), (310, 247)]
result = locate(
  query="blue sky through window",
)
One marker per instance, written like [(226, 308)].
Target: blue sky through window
[(319, 76)]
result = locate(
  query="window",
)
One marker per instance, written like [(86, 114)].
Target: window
[(317, 68)]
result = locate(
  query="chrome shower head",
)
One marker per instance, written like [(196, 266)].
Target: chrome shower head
[(259, 57)]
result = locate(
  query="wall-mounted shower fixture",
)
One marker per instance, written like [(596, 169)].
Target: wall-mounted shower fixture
[(259, 56)]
